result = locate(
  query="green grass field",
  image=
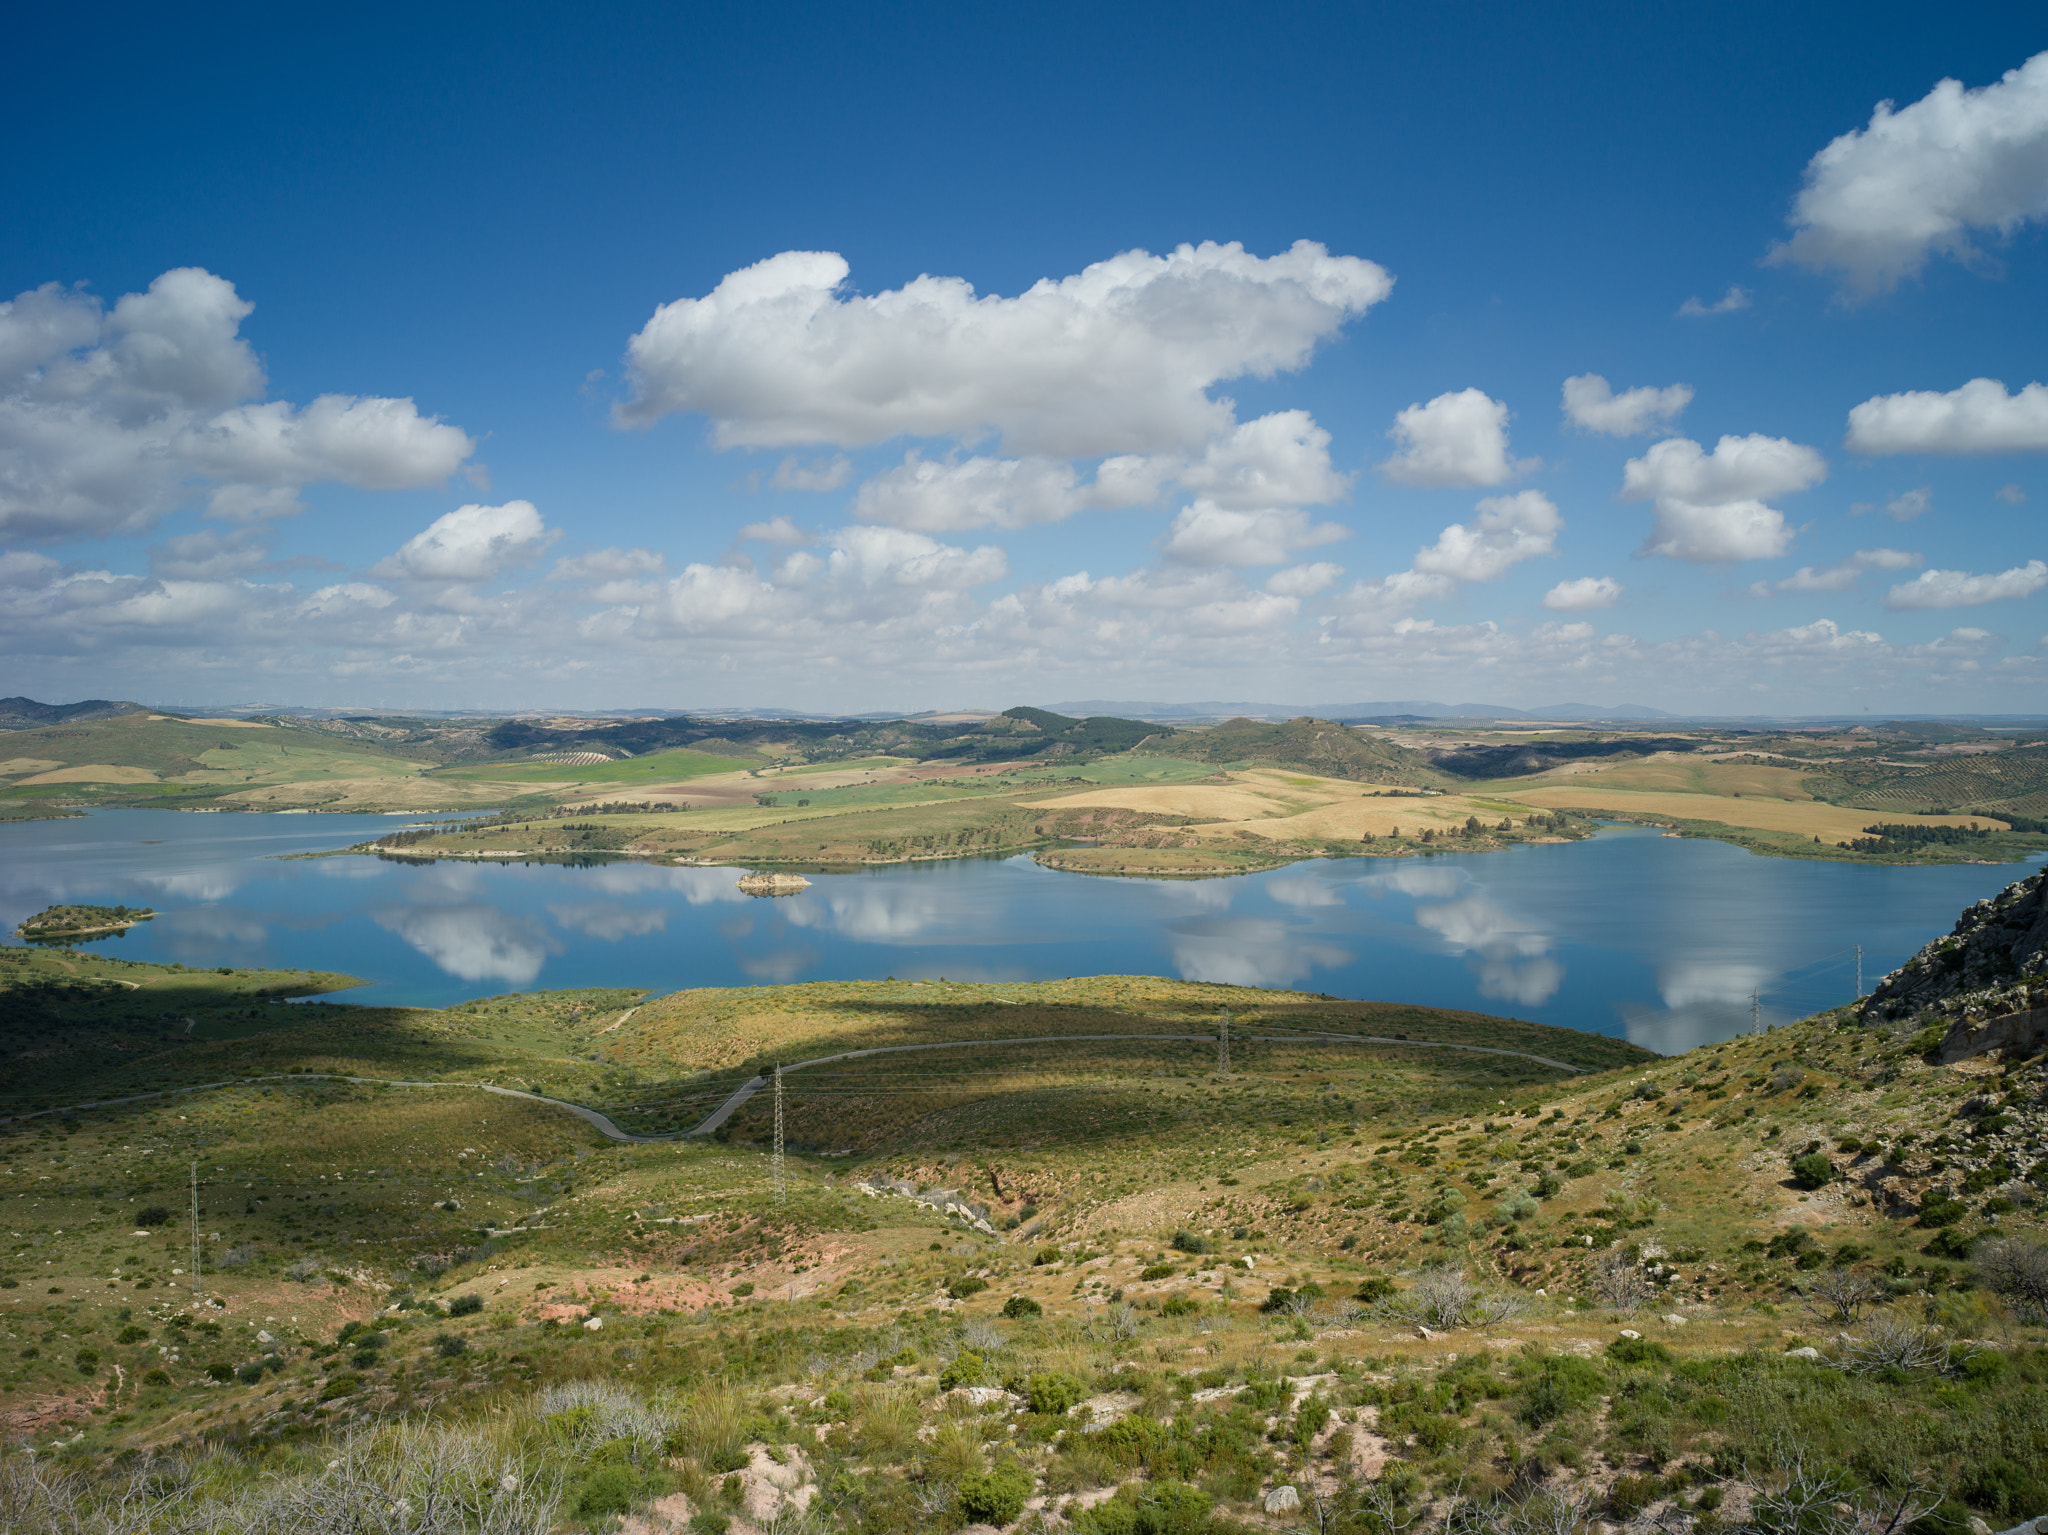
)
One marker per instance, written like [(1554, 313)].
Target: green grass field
[(634, 772)]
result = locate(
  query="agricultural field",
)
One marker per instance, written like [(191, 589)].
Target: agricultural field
[(1046, 1281), (159, 760), (1718, 795)]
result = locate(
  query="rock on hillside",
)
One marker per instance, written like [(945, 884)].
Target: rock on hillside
[(1992, 969)]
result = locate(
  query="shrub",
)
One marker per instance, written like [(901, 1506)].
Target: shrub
[(2016, 1270), (450, 1346), (1632, 1494), (1938, 1210), (1054, 1392), (1813, 1170), (1157, 1271), (156, 1377), (965, 1286), (743, 1289), (1018, 1307), (152, 1215), (967, 1369), (1950, 1243), (607, 1490), (1638, 1351), (249, 1373), (466, 1305), (995, 1497), (337, 1386), (1187, 1242), (1180, 1305), (1045, 1255), (1375, 1287), (132, 1334)]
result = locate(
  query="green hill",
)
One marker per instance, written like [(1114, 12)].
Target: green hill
[(1316, 746)]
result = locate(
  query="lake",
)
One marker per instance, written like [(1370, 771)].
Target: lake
[(1657, 939)]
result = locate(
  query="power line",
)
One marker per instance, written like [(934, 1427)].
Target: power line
[(195, 1231), (775, 1161)]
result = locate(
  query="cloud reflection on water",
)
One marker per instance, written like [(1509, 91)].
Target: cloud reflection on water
[(1250, 951), (1515, 963), (473, 941)]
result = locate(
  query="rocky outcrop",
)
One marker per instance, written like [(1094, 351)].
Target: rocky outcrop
[(774, 884), (2018, 1035), (1989, 975)]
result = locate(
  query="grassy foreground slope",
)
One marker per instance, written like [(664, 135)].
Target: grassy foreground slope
[(1086, 1284)]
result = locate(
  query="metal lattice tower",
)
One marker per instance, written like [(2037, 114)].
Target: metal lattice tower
[(1859, 972), (1223, 1043), (1755, 1015), (195, 1232), (775, 1159)]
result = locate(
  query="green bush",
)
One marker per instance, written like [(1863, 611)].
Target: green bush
[(607, 1490), (1632, 1494), (1054, 1392), (1813, 1170), (1187, 1242), (249, 1374), (1018, 1307), (466, 1305), (1180, 1305), (967, 1369), (995, 1497), (132, 1334), (449, 1346), (337, 1386), (1939, 1210), (1638, 1351), (1375, 1287), (1950, 1243), (1157, 1271), (965, 1286)]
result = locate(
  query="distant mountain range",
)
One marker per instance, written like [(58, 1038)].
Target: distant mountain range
[(1411, 708), (27, 714)]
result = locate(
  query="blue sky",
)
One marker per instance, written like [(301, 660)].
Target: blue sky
[(397, 415)]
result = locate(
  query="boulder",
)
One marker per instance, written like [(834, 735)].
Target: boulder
[(1809, 1352), (1282, 1500)]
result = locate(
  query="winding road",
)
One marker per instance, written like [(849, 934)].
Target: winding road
[(606, 1126)]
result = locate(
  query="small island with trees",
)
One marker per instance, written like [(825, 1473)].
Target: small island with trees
[(65, 922)]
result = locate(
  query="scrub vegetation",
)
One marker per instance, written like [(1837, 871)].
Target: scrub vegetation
[(1792, 1282)]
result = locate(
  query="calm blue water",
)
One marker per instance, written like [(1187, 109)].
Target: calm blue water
[(1658, 939)]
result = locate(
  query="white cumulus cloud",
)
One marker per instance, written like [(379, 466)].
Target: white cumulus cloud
[(1508, 530), (1842, 575), (1591, 404), (1709, 506), (1583, 594), (1959, 589), (469, 544), (1278, 460), (1207, 534), (110, 418), (1459, 438), (1922, 181), (1728, 303), (1980, 417), (1117, 358), (818, 475)]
